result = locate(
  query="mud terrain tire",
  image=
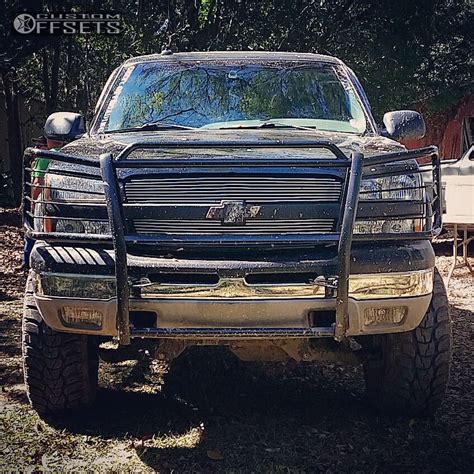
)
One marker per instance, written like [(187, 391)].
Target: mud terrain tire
[(412, 375), (60, 369)]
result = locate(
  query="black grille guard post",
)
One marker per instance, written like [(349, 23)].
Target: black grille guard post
[(116, 222), (437, 194), (345, 242)]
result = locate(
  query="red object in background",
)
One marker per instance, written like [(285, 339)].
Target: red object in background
[(451, 133)]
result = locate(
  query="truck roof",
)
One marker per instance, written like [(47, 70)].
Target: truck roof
[(236, 56)]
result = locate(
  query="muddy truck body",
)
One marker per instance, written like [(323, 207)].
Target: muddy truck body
[(240, 199)]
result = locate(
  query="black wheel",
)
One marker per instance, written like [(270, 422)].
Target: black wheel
[(60, 369), (412, 373)]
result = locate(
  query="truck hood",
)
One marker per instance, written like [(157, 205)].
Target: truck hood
[(93, 146)]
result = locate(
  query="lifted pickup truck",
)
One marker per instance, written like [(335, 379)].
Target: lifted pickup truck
[(238, 199)]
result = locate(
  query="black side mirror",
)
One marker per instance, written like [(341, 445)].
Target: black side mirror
[(64, 126), (404, 125)]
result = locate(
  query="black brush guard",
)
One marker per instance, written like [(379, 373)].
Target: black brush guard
[(106, 170)]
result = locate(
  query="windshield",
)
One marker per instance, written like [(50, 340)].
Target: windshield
[(224, 96)]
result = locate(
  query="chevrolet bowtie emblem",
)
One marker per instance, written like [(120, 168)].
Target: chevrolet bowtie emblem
[(233, 212)]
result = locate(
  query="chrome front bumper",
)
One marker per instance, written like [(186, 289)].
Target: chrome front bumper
[(378, 303)]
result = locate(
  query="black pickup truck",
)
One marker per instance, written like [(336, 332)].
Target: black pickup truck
[(239, 199)]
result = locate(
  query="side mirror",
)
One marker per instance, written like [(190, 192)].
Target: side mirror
[(64, 126), (404, 125)]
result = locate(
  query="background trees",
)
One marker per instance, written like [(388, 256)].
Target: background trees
[(405, 52)]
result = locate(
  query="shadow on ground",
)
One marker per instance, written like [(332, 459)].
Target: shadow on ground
[(216, 413)]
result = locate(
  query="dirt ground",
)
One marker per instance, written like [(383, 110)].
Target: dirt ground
[(222, 415)]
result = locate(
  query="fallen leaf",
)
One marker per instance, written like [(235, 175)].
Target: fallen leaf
[(215, 455), (272, 450)]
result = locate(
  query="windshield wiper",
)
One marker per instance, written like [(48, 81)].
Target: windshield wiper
[(269, 124), (157, 125), (272, 124)]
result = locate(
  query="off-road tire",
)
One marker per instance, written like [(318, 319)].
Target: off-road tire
[(60, 369), (412, 373)]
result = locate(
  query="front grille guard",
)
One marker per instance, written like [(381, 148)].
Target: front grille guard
[(106, 170)]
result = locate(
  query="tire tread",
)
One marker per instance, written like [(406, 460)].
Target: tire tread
[(60, 369), (414, 372)]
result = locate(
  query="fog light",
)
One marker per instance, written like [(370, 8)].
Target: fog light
[(389, 315), (81, 318)]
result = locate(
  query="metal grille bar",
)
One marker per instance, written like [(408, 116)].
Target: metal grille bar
[(194, 226), (212, 189)]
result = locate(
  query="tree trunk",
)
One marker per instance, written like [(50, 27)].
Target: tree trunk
[(15, 145)]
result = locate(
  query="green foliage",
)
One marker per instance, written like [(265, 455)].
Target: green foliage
[(404, 52)]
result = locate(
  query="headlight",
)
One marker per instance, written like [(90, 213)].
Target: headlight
[(72, 190), (390, 188), (398, 188), (370, 189), (82, 226), (393, 226)]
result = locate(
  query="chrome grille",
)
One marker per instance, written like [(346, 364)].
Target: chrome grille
[(260, 226), (213, 189)]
